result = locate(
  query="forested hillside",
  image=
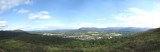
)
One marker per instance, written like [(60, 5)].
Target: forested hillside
[(12, 41)]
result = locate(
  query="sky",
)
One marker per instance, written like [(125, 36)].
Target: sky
[(74, 14)]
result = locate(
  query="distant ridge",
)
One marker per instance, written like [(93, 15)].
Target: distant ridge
[(88, 28), (116, 28)]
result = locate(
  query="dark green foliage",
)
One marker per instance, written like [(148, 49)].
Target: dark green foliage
[(12, 45), (12, 34), (18, 46), (45, 40)]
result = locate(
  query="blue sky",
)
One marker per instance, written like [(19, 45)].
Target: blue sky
[(73, 14)]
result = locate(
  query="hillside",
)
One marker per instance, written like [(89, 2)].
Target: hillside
[(11, 34), (147, 41)]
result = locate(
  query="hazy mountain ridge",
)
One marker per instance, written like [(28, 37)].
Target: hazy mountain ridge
[(117, 28)]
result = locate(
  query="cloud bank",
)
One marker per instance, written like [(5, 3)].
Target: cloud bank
[(134, 17), (8, 4), (21, 11), (39, 15), (42, 27)]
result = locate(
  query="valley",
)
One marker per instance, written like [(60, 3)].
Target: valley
[(92, 33)]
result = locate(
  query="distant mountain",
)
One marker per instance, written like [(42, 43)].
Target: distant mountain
[(120, 30), (137, 29), (125, 29), (88, 28), (116, 28)]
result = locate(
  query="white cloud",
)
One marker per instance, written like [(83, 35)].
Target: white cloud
[(53, 26), (39, 21), (3, 24), (40, 15), (139, 18), (157, 4), (92, 25), (21, 11), (42, 27), (28, 1), (101, 19), (14, 10), (23, 27), (8, 4)]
